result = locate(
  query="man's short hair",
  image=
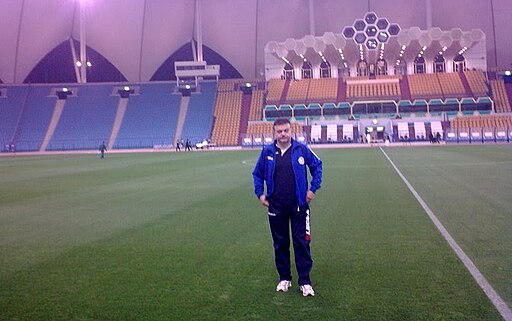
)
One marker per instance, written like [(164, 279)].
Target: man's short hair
[(281, 121)]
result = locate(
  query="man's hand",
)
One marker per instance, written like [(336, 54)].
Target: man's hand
[(310, 196), (263, 200)]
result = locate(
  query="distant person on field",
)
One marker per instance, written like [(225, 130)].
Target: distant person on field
[(282, 167), (188, 145), (102, 149), (178, 147)]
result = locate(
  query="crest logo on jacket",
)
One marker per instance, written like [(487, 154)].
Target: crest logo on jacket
[(301, 160)]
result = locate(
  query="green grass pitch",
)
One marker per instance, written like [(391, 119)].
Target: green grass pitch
[(181, 236)]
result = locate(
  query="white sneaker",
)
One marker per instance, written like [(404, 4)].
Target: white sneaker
[(283, 286), (307, 290)]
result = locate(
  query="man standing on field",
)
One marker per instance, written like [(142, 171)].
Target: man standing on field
[(282, 167), (102, 149)]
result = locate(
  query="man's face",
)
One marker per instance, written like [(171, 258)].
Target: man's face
[(283, 134)]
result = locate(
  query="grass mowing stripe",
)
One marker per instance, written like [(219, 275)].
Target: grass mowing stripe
[(95, 198), (495, 298), (472, 201)]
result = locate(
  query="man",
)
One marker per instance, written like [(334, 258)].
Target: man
[(102, 149), (188, 145), (282, 167)]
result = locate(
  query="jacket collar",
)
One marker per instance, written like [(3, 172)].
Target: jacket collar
[(294, 143)]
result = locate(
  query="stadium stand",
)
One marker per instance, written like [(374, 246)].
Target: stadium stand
[(342, 90), (451, 85), (227, 118), (199, 118), (482, 121), (86, 120), (501, 99), (256, 105), (217, 112), (323, 90), (261, 128), (35, 118), (424, 86), (265, 129), (245, 112), (298, 91), (477, 82), (227, 84), (508, 91), (405, 91), (297, 128), (373, 90), (275, 90), (150, 118), (11, 104)]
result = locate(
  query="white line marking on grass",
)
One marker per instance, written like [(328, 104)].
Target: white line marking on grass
[(495, 298)]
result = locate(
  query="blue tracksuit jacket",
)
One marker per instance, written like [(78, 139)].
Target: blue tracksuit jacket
[(301, 156)]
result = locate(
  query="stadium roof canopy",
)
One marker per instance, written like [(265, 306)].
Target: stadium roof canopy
[(140, 38)]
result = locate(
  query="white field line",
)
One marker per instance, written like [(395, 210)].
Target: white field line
[(495, 298)]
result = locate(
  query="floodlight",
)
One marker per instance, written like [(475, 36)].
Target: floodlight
[(507, 78), (186, 90), (125, 92), (63, 93)]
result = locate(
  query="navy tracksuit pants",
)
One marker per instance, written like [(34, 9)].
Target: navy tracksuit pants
[(280, 216)]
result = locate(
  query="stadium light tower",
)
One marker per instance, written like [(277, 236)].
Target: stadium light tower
[(199, 31), (83, 46)]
